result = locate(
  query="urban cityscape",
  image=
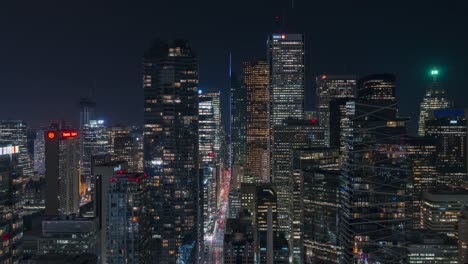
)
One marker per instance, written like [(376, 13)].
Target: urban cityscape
[(277, 164)]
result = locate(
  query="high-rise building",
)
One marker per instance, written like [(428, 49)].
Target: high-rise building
[(170, 84), (435, 98), (127, 238), (448, 128), (442, 208), (321, 215), (14, 132), (62, 153), (427, 247), (238, 244), (238, 121), (11, 222), (39, 153), (463, 237), (329, 87), (286, 74), (255, 75), (422, 155), (340, 128), (69, 236), (126, 144), (209, 144), (373, 188), (96, 141), (291, 135)]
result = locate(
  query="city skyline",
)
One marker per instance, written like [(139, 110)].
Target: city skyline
[(94, 54)]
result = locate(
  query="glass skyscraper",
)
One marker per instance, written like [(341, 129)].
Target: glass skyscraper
[(170, 85), (434, 98), (286, 69), (255, 75)]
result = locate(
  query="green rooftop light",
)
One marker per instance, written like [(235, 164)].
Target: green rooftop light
[(435, 72)]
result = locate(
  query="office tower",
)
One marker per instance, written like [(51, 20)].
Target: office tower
[(463, 237), (85, 258), (39, 153), (68, 235), (448, 128), (329, 87), (238, 121), (11, 223), (234, 202), (442, 208), (34, 194), (373, 190), (293, 134), (14, 132), (248, 197), (431, 248), (255, 76), (170, 84), (321, 215), (311, 158), (422, 155), (209, 143), (435, 98), (62, 153), (238, 245), (286, 74), (340, 128), (126, 144), (126, 235), (95, 139), (311, 115)]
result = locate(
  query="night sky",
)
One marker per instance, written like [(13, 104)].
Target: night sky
[(53, 52)]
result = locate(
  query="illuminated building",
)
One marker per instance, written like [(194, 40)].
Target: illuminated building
[(422, 155), (126, 144), (426, 247), (14, 132), (286, 72), (11, 222), (329, 87), (291, 135), (435, 98), (255, 75), (238, 121), (39, 153), (170, 84), (448, 128), (463, 237), (95, 140), (339, 128), (126, 235), (238, 245), (377, 87), (374, 179), (209, 143), (70, 236), (62, 152), (442, 208), (321, 215)]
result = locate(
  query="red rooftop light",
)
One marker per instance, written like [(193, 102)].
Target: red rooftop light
[(313, 121)]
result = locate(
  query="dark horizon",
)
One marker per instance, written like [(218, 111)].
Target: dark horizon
[(53, 54)]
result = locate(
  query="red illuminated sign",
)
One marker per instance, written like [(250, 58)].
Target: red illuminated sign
[(313, 121), (51, 135), (69, 134)]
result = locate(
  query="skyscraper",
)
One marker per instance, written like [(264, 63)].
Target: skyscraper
[(255, 75), (11, 222), (209, 143), (126, 144), (329, 87), (238, 120), (14, 132), (62, 153), (127, 238), (286, 76), (170, 85), (373, 184), (39, 157), (448, 128), (434, 98)]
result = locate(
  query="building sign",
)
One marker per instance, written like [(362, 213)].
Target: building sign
[(9, 150)]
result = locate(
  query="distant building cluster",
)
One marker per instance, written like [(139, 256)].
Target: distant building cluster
[(345, 183)]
